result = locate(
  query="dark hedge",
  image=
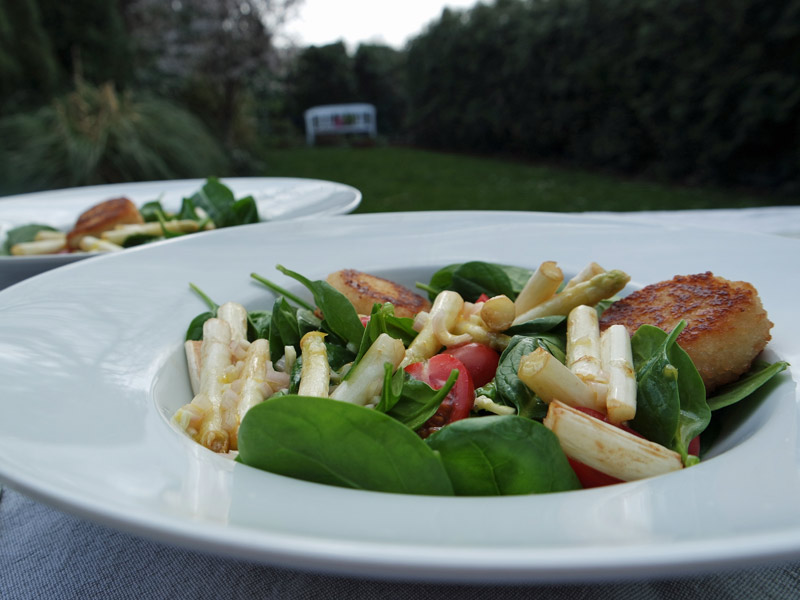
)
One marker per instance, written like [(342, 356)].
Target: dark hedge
[(691, 90)]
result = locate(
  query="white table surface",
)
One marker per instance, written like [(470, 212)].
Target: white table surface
[(45, 553)]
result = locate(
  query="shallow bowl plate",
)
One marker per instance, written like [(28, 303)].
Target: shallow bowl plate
[(92, 368), (278, 198)]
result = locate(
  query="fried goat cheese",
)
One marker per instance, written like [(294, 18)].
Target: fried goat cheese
[(363, 290), (726, 325), (103, 217)]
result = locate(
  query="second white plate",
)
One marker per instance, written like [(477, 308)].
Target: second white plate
[(278, 198)]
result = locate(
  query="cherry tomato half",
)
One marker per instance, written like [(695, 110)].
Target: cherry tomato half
[(479, 359), (589, 476), (459, 400)]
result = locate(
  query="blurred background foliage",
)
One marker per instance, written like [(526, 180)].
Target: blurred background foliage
[(685, 91), (690, 90)]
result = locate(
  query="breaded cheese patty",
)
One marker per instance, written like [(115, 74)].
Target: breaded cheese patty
[(726, 325), (363, 290)]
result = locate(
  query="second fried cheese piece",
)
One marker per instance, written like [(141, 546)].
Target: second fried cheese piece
[(102, 217), (363, 290), (726, 324)]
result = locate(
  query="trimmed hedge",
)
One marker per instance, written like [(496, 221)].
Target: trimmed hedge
[(690, 90)]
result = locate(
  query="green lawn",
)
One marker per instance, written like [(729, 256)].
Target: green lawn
[(394, 179)]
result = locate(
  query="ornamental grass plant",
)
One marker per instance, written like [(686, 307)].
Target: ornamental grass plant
[(95, 135)]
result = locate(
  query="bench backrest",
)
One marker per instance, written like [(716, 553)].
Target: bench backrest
[(340, 119)]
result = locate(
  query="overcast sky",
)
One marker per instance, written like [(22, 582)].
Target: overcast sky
[(390, 22)]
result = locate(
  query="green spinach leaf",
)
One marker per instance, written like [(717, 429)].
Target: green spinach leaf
[(223, 209), (295, 374), (338, 443), (195, 329), (245, 210), (23, 233), (538, 326), (188, 211), (283, 328), (338, 356), (671, 407), (338, 313), (150, 211), (138, 239), (411, 401), (440, 280), (489, 390), (760, 373), (472, 278), (510, 390), (495, 456), (258, 322), (383, 320)]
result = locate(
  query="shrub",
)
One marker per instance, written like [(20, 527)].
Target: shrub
[(691, 90), (95, 135)]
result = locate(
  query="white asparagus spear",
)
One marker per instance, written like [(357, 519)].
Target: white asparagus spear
[(193, 350), (121, 233), (551, 380), (583, 349), (255, 387), (37, 247), (215, 359), (615, 350), (474, 329), (585, 274), (366, 381), (47, 234), (435, 333), (315, 374), (235, 315), (89, 243), (601, 286), (540, 286), (607, 448)]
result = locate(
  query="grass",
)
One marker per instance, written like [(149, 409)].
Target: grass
[(393, 179)]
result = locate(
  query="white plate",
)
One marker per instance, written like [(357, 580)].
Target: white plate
[(92, 368), (278, 198)]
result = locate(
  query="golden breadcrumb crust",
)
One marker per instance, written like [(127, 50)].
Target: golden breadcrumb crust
[(102, 217), (727, 326), (363, 290)]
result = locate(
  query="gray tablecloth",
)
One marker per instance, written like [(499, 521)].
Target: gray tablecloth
[(45, 553)]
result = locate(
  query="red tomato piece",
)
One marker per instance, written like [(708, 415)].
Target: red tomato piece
[(479, 359), (482, 298), (459, 400), (589, 476), (694, 446)]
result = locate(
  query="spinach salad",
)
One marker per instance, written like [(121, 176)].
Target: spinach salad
[(214, 205), (378, 402)]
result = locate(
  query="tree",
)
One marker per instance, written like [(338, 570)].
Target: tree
[(321, 75), (380, 80), (28, 70), (211, 54), (88, 38)]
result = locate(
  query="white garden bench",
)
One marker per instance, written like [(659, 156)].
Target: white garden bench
[(336, 119)]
